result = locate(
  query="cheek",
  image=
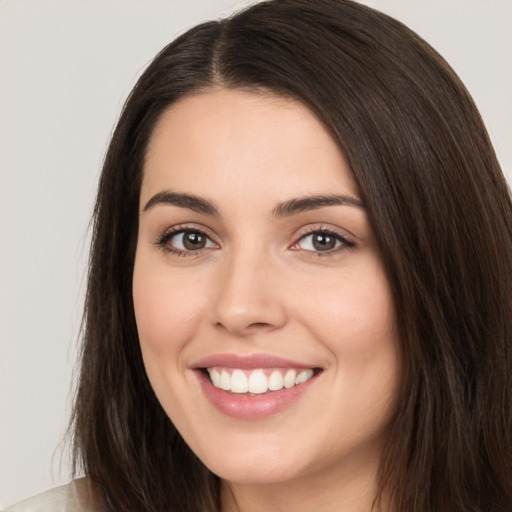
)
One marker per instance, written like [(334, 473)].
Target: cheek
[(166, 310), (354, 318), (353, 313)]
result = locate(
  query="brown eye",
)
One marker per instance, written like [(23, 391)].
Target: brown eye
[(190, 240), (322, 241)]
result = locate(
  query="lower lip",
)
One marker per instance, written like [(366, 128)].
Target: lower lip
[(243, 406)]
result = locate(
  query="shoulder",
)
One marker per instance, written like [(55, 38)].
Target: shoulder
[(78, 496)]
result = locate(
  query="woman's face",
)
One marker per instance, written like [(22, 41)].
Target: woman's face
[(265, 318)]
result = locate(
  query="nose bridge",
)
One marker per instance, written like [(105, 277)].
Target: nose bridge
[(247, 299)]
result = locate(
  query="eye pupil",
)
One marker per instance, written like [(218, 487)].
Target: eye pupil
[(323, 242), (193, 240)]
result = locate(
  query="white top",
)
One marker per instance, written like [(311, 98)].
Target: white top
[(78, 496)]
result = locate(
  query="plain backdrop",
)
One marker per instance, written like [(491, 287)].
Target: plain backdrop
[(66, 67)]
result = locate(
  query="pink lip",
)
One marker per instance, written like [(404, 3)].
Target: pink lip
[(244, 406), (252, 362)]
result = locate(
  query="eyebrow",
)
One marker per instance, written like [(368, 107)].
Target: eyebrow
[(285, 209), (299, 205), (189, 201)]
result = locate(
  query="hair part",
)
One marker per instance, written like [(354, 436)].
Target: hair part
[(442, 215)]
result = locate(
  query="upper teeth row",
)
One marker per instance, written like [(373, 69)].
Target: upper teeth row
[(257, 382)]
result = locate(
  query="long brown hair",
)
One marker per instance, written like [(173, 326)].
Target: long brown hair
[(442, 215)]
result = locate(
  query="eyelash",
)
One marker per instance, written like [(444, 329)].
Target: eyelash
[(344, 243), (163, 242)]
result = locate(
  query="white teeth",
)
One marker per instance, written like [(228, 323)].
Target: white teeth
[(258, 382), (303, 376), (216, 378), (225, 381), (289, 379), (255, 381), (275, 381), (239, 382)]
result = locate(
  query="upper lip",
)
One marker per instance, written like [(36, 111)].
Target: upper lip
[(248, 362)]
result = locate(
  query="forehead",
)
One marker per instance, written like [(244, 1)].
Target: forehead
[(238, 143)]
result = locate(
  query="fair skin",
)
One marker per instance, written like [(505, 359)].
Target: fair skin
[(242, 278)]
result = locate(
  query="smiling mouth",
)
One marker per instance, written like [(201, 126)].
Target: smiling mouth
[(258, 381)]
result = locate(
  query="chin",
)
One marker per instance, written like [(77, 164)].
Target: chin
[(255, 473), (262, 463)]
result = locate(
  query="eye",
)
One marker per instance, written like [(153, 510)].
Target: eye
[(189, 240), (322, 241), (185, 240)]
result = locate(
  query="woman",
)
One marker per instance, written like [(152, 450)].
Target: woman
[(300, 280)]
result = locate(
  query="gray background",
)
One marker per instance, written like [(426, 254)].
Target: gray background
[(66, 67)]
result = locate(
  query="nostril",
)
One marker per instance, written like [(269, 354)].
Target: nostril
[(259, 325), (245, 328)]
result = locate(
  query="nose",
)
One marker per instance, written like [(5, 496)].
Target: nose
[(250, 298)]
